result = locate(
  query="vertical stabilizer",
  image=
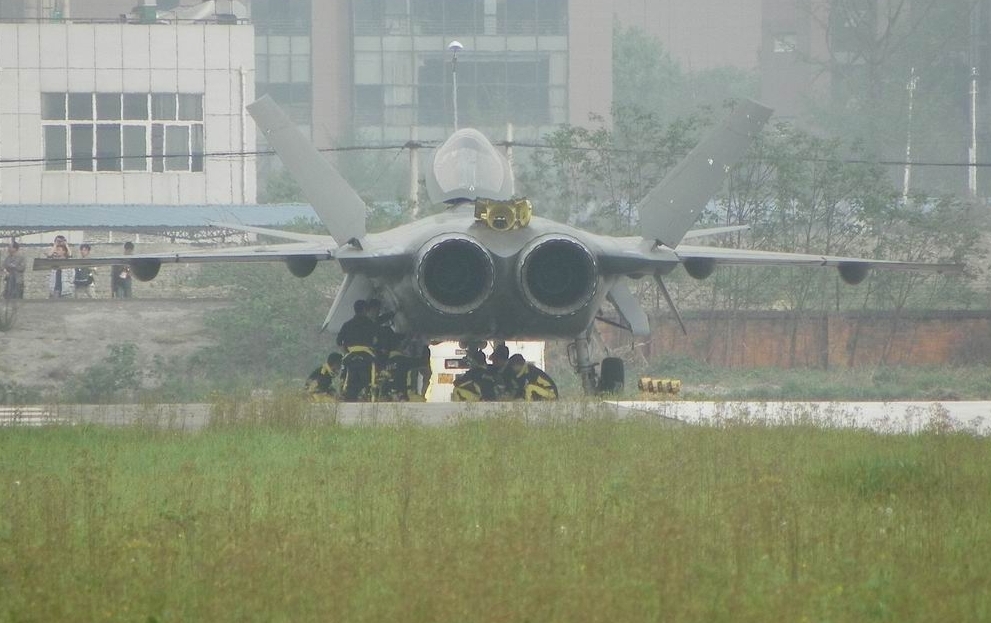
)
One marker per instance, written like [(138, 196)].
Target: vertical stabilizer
[(673, 206), (335, 202)]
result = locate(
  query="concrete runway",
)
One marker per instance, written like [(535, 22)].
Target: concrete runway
[(884, 417)]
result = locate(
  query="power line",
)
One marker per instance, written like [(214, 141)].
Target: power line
[(17, 162), (25, 162)]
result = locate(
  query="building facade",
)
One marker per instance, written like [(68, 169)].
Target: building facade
[(126, 113), (384, 72)]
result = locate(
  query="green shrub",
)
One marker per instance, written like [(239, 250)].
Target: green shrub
[(117, 376)]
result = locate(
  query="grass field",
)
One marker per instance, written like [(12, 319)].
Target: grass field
[(570, 519)]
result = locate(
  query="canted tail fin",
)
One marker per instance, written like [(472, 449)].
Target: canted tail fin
[(673, 206), (335, 202)]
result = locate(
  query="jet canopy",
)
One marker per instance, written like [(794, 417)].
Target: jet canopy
[(467, 167)]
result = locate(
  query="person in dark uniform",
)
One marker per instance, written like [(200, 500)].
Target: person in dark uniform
[(357, 339), (532, 382), (393, 367), (498, 370), (419, 372), (322, 382), (475, 384)]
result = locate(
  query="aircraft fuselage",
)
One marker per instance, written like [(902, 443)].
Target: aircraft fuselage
[(452, 276)]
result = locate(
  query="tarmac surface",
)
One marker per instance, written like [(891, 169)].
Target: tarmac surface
[(881, 417)]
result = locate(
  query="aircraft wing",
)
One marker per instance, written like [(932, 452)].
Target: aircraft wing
[(714, 231), (278, 233), (260, 253), (747, 257)]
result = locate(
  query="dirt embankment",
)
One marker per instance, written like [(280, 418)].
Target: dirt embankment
[(50, 340)]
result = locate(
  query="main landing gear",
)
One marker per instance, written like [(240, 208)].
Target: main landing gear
[(608, 380)]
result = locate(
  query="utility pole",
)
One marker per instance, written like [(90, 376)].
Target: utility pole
[(913, 79), (414, 172), (972, 155), (977, 42)]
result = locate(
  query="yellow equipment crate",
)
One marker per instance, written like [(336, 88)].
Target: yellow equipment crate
[(649, 385)]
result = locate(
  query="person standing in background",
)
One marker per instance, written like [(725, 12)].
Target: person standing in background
[(13, 272), (56, 280), (82, 279), (120, 277)]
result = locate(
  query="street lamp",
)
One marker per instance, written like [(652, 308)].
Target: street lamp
[(455, 47)]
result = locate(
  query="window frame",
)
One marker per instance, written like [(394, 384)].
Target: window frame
[(111, 134)]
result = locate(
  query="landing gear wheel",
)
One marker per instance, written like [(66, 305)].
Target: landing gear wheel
[(611, 376)]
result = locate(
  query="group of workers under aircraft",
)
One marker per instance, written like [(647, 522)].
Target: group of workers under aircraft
[(505, 378), (377, 364)]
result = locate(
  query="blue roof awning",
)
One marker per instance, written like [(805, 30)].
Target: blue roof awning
[(145, 217)]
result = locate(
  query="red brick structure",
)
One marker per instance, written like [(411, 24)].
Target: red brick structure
[(781, 339)]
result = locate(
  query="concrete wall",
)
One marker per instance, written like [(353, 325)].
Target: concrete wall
[(212, 60)]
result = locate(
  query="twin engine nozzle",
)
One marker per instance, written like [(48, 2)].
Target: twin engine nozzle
[(555, 275)]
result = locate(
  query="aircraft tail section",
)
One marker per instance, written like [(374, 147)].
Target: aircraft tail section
[(673, 206), (335, 202)]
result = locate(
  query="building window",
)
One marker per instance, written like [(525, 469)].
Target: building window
[(369, 104), (532, 17), (281, 16), (490, 92), (785, 43), (435, 17), (282, 59), (283, 71), (113, 131), (851, 23)]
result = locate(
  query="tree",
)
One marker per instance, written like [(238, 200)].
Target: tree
[(280, 187), (873, 51), (594, 177), (648, 79)]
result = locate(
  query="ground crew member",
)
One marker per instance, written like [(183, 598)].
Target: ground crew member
[(357, 339), (499, 373), (532, 382), (475, 384), (419, 372), (394, 367), (322, 382)]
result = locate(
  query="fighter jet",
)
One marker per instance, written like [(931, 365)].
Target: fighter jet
[(487, 267)]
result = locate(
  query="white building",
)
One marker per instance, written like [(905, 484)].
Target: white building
[(126, 113)]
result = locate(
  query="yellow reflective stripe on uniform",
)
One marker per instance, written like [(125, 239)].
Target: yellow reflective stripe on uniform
[(542, 381), (361, 349), (465, 394), (532, 389)]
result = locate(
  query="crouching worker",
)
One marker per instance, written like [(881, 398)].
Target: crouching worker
[(392, 374), (322, 382), (532, 383), (476, 384)]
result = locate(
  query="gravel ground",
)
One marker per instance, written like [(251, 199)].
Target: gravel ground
[(53, 339)]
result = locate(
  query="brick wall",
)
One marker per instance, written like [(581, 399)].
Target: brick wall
[(779, 339)]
